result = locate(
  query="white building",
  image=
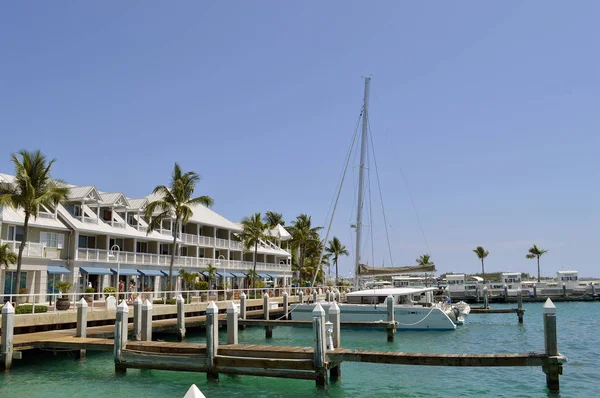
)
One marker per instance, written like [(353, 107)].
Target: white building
[(94, 235)]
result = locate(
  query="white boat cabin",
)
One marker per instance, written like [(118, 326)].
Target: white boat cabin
[(511, 279), (402, 296), (406, 281), (456, 282)]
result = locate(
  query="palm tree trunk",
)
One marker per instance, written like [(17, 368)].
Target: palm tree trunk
[(175, 248), (254, 267), (538, 268), (20, 257), (483, 270), (336, 271), (301, 263)]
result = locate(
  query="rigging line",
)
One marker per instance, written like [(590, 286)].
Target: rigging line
[(350, 150), (370, 207), (387, 235), (336, 203)]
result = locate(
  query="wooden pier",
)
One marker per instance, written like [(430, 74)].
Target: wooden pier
[(214, 357)]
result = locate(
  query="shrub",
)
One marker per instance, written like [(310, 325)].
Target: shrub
[(169, 301), (22, 290), (108, 290), (89, 290), (64, 287), (27, 309), (201, 285)]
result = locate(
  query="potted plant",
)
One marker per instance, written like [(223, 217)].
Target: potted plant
[(202, 286), (89, 296), (220, 293), (109, 291), (63, 302), (228, 292), (22, 299)]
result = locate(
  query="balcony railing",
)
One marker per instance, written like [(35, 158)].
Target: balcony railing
[(206, 241), (222, 243), (189, 238), (98, 255), (235, 245), (33, 249)]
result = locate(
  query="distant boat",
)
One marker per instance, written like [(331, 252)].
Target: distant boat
[(194, 392)]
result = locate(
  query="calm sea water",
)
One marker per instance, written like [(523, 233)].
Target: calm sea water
[(579, 340)]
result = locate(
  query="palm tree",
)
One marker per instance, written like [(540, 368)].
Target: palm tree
[(175, 201), (536, 252), (425, 259), (253, 232), (211, 273), (7, 257), (336, 249), (482, 254), (303, 233), (273, 219), (251, 274), (32, 187), (188, 279)]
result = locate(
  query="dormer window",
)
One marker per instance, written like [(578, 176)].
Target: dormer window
[(77, 210)]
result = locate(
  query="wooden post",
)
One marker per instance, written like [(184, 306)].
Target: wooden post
[(243, 305), (505, 293), (315, 296), (147, 321), (318, 316), (477, 298), (180, 317), (564, 290), (337, 296), (123, 317), (520, 310), (82, 310), (137, 319), (266, 306), (486, 303), (301, 296), (232, 323), (8, 329), (552, 368), (593, 290), (286, 307), (117, 346), (391, 329), (335, 372), (534, 290), (212, 338)]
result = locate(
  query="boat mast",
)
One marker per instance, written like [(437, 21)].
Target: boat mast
[(361, 175)]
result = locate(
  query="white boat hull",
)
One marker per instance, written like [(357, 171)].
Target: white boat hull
[(407, 317)]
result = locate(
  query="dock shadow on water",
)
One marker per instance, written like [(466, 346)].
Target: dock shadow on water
[(62, 375)]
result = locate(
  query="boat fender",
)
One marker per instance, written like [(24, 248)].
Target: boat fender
[(456, 312)]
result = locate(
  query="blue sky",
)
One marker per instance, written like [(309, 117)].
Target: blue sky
[(489, 108)]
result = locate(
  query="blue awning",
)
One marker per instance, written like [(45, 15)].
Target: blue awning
[(57, 269), (263, 276), (125, 272), (238, 274), (95, 271), (150, 272), (275, 276), (164, 273), (205, 274)]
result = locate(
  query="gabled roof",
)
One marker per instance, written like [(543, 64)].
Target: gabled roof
[(137, 204), (116, 199), (278, 232), (17, 216), (84, 193)]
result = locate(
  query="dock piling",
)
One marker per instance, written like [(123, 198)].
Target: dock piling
[(477, 298), (315, 296), (301, 296), (552, 368), (486, 303), (505, 293), (180, 318), (319, 349), (122, 315), (212, 338), (520, 310), (81, 331), (335, 371), (286, 306), (593, 290), (391, 330), (327, 296), (8, 327), (137, 318), (564, 291), (337, 296), (147, 321), (534, 290), (232, 323), (268, 329)]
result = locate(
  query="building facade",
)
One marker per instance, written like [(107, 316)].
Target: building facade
[(94, 236)]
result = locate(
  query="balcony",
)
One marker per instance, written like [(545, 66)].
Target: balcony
[(33, 249), (189, 238), (235, 245), (206, 241), (222, 243)]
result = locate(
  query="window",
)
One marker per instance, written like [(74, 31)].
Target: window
[(142, 247), (51, 239), (118, 242), (201, 252), (164, 248), (19, 233), (107, 215), (184, 251), (77, 210), (10, 232), (87, 242), (131, 220)]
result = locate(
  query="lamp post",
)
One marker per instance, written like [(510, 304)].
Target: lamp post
[(112, 249), (218, 265)]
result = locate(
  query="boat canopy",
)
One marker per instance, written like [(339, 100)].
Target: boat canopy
[(393, 291), (365, 270)]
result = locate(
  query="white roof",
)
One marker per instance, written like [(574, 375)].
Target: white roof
[(279, 232), (135, 204), (394, 291), (17, 216), (567, 272), (87, 192), (114, 198), (455, 276), (511, 273)]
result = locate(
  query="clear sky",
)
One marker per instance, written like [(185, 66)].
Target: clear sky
[(487, 107)]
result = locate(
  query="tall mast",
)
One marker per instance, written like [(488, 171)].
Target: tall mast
[(361, 176)]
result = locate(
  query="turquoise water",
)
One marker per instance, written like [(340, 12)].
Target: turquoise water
[(579, 340)]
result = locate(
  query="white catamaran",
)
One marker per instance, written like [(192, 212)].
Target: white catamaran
[(414, 307)]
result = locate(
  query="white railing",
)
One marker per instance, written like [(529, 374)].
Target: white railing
[(46, 215), (206, 241), (32, 249), (89, 220), (142, 229), (118, 224), (166, 232), (189, 238), (222, 243), (235, 245)]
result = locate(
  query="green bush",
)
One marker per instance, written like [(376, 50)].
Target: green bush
[(89, 290), (170, 301), (201, 285), (27, 309), (108, 290)]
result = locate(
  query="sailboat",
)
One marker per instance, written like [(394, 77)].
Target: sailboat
[(414, 308)]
